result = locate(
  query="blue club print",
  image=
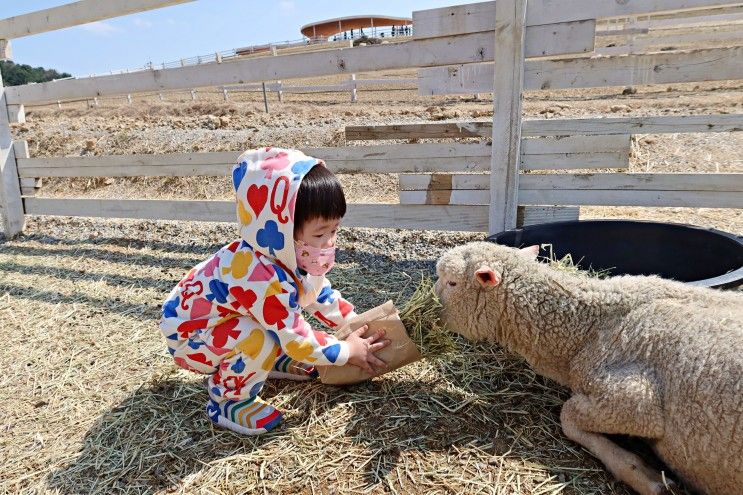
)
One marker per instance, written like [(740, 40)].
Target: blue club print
[(270, 237), (301, 168)]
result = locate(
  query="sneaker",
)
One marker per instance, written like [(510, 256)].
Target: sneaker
[(288, 369), (247, 417)]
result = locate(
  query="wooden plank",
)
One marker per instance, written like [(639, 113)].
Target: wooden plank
[(541, 40), (424, 182), (573, 161), (478, 17), (686, 22), (661, 68), (691, 199), (425, 157), (634, 182), (400, 81), (622, 32), (74, 14), (471, 48), (715, 64), (461, 218), (634, 125), (533, 215), (553, 127), (419, 131), (446, 197), (575, 144), (690, 190), (549, 11), (689, 38), (594, 182), (677, 42), (508, 83)]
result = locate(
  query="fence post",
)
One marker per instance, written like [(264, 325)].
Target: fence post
[(160, 95), (16, 114), (265, 98), (279, 87), (11, 203), (193, 95), (508, 84), (129, 99), (59, 104), (224, 93), (6, 51), (353, 88), (29, 185)]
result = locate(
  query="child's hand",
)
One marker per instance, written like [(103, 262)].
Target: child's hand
[(361, 350)]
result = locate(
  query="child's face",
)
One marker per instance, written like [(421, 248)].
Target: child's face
[(319, 232)]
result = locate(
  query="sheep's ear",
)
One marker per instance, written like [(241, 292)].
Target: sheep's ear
[(530, 252), (487, 277)]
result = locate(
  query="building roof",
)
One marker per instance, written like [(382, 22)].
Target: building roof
[(330, 27)]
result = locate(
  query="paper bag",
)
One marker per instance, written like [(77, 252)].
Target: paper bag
[(401, 350)]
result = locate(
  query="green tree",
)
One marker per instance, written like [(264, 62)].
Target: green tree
[(15, 74)]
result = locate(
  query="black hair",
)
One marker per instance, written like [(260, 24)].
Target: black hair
[(320, 196)]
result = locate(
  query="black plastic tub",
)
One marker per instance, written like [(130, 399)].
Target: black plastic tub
[(697, 256)]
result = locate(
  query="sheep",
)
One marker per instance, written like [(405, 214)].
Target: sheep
[(643, 356)]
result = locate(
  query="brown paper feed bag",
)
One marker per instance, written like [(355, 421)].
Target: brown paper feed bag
[(401, 351)]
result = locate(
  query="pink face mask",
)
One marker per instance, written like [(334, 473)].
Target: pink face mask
[(315, 261)]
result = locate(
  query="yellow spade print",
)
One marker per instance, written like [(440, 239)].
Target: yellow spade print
[(252, 346), (240, 264), (243, 214), (300, 352), (270, 358)]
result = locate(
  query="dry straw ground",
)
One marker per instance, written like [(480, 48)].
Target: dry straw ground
[(93, 404)]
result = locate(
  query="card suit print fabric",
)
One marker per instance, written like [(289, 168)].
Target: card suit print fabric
[(235, 313)]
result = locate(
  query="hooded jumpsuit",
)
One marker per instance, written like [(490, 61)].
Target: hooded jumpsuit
[(237, 316)]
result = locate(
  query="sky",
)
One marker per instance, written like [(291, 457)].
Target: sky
[(182, 31)]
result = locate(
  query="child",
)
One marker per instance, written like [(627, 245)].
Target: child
[(237, 315)]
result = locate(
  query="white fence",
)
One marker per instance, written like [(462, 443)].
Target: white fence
[(455, 48)]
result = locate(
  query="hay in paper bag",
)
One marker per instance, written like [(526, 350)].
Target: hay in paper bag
[(401, 351)]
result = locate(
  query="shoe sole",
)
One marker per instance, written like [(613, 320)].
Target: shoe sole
[(226, 423), (281, 375)]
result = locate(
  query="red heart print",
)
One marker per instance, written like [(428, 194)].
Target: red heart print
[(257, 197)]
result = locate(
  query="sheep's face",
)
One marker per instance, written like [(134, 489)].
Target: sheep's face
[(468, 280)]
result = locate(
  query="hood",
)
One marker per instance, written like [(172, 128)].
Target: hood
[(266, 182)]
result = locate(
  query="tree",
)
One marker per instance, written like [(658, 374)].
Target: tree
[(16, 74)]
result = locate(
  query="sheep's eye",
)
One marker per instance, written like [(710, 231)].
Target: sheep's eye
[(451, 284)]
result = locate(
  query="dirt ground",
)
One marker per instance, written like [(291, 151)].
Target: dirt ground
[(93, 404)]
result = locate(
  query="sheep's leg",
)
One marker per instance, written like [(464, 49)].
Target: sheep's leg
[(622, 399), (624, 465)]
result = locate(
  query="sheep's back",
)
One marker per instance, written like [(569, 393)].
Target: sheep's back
[(696, 352)]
